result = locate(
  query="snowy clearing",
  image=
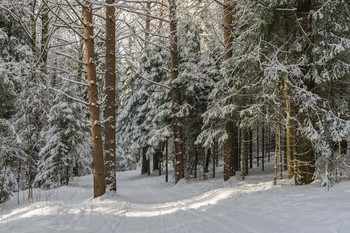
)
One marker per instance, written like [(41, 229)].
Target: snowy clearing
[(148, 204)]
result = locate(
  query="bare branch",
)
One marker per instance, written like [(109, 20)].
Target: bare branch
[(70, 57), (302, 30), (70, 97), (63, 21), (72, 81)]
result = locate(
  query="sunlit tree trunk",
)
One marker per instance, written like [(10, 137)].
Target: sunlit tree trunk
[(109, 111), (95, 124)]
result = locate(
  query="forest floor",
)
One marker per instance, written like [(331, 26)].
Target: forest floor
[(148, 204)]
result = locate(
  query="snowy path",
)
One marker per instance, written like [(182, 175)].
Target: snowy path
[(148, 204)]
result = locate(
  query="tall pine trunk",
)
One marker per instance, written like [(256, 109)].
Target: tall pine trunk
[(44, 37), (176, 101), (95, 124), (109, 111), (230, 152), (305, 154)]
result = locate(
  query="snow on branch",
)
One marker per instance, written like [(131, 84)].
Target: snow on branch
[(70, 57), (16, 18), (70, 97), (72, 81)]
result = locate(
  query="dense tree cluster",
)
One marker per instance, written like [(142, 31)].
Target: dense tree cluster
[(228, 82)]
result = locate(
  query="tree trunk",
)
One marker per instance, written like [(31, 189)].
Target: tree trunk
[(228, 151), (230, 155), (176, 101), (96, 136), (166, 161), (288, 131), (245, 151), (207, 161), (305, 154), (148, 22), (32, 5), (305, 161), (279, 151), (156, 159), (44, 37), (263, 149), (109, 111), (144, 169), (250, 149), (214, 157), (160, 25), (268, 144), (275, 163), (195, 163), (239, 148), (257, 147)]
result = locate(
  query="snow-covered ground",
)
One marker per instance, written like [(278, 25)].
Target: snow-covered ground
[(148, 204)]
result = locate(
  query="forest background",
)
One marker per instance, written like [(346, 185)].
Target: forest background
[(211, 82)]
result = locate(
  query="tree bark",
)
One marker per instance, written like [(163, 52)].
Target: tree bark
[(288, 131), (95, 124), (263, 149), (144, 169), (148, 22), (305, 161), (176, 100), (229, 150), (44, 37), (228, 39), (245, 151), (231, 144), (305, 154), (257, 147), (279, 152), (250, 149), (268, 144), (275, 161), (157, 156), (207, 161), (160, 25), (109, 111)]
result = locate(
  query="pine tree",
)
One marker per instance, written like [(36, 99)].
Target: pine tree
[(65, 139)]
